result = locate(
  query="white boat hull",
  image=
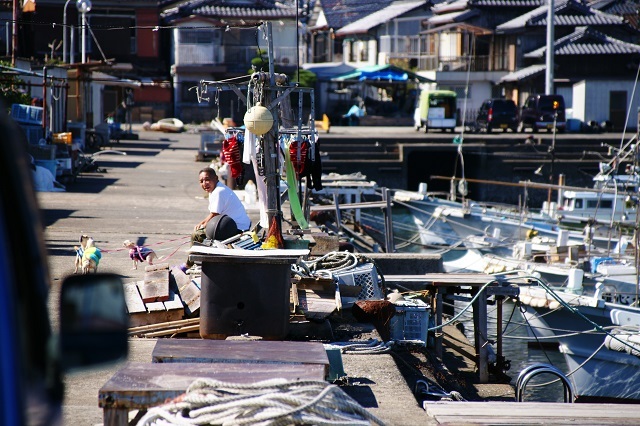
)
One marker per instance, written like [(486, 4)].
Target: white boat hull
[(605, 376), (598, 374)]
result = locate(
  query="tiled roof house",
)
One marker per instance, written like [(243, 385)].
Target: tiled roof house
[(596, 58), (213, 40)]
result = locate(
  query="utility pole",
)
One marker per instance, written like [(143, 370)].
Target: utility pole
[(548, 89)]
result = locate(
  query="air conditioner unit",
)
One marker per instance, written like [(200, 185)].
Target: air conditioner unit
[(443, 66), (286, 60)]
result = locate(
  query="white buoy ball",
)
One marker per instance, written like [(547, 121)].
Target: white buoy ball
[(258, 119)]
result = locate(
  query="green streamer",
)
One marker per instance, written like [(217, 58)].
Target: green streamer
[(292, 182)]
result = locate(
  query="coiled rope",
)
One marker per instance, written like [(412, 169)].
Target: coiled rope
[(270, 402), (373, 347)]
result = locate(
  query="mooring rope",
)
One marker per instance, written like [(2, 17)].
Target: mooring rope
[(270, 402)]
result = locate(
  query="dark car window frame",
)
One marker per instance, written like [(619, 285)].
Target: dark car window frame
[(29, 274), (10, 390)]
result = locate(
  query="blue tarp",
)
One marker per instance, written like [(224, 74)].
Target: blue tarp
[(388, 75), (381, 73)]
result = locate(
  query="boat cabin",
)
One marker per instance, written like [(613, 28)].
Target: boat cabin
[(599, 206)]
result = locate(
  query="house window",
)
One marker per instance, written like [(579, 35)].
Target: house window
[(364, 51), (501, 55), (196, 37)]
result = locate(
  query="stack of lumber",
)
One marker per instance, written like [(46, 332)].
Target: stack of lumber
[(163, 296), (167, 301)]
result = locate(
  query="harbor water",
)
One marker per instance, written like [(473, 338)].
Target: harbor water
[(521, 351)]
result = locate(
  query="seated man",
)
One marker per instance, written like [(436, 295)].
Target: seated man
[(222, 201), (353, 115)]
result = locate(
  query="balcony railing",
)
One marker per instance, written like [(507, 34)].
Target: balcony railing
[(210, 54), (420, 50)]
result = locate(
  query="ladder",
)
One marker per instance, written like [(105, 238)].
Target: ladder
[(538, 368)]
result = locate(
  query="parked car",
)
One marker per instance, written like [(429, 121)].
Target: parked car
[(497, 114), (543, 112), (93, 317)]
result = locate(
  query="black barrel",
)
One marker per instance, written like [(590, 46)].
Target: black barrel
[(245, 295)]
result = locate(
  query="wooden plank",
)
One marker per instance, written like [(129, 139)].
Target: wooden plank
[(173, 331), (238, 351), (143, 385), (155, 307), (316, 305), (163, 325), (115, 417), (157, 267), (497, 413), (158, 313), (155, 287), (315, 284), (133, 299), (446, 279), (174, 303), (188, 291)]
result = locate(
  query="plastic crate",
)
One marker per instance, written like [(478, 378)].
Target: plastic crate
[(33, 133), (411, 321), (26, 114), (211, 142), (42, 152), (363, 276)]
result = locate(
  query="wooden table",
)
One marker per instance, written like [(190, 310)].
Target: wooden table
[(239, 351), (138, 386), (499, 287)]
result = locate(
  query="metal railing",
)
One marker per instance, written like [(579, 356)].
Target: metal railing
[(533, 370), (421, 50), (210, 54)]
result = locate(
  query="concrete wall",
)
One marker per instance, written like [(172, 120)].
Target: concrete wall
[(594, 95), (579, 100)]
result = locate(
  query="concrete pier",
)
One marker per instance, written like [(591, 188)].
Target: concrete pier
[(152, 196)]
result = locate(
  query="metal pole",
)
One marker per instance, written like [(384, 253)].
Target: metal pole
[(64, 32), (14, 36), (84, 38), (44, 102), (552, 151), (72, 50), (270, 144), (550, 51), (388, 223)]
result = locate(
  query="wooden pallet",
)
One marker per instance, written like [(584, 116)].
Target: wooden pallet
[(151, 301)]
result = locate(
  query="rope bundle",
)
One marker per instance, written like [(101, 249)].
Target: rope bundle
[(372, 347), (270, 402)]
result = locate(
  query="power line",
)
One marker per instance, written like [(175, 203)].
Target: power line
[(136, 27)]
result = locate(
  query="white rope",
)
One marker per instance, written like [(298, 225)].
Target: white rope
[(270, 402), (630, 338), (371, 348)]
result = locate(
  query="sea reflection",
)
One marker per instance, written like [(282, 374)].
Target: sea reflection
[(516, 349)]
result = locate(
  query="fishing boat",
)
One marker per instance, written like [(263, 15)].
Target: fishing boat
[(594, 215), (600, 339)]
